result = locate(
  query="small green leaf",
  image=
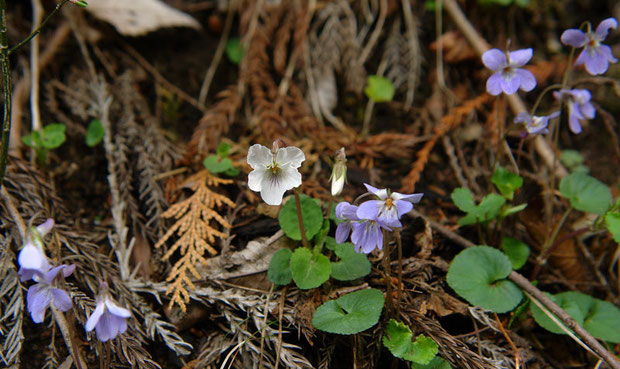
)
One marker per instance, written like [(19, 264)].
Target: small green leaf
[(436, 363), (223, 149), (479, 274), (216, 165), (94, 133), (311, 214), (397, 339), (379, 89), (488, 209), (232, 172), (612, 220), (506, 182), (320, 237), (234, 50), (352, 264), (80, 3), (463, 199), (279, 271), (424, 350), (517, 252), (308, 270), (53, 135), (586, 193), (513, 210), (350, 314), (571, 159), (28, 141)]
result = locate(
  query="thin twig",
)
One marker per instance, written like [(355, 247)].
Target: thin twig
[(383, 9), (38, 29), (512, 344), (17, 218), (5, 70), (37, 15), (221, 46), (280, 314)]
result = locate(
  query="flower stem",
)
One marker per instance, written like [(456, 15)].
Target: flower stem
[(387, 274), (399, 291), (550, 244), (302, 230)]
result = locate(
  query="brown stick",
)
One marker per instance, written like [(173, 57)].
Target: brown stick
[(528, 287)]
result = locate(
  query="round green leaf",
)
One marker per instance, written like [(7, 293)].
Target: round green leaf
[(352, 313), (94, 133), (308, 270), (53, 135), (517, 252), (311, 214), (279, 271), (424, 350), (223, 149), (600, 318), (436, 363), (586, 193), (507, 183), (379, 89), (352, 264), (463, 199), (234, 50), (217, 165), (478, 274)]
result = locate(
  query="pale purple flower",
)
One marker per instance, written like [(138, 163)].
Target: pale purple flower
[(594, 55), (535, 124), (32, 259), (508, 76), (275, 171), (367, 236), (389, 207), (108, 319), (579, 107), (41, 294), (348, 214)]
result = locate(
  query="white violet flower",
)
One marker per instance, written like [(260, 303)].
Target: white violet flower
[(275, 171)]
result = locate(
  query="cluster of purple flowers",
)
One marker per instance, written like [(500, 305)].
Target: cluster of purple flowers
[(366, 222), (108, 319), (509, 77)]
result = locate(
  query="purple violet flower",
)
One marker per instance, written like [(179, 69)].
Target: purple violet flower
[(595, 56), (347, 213), (389, 208), (535, 124), (32, 259), (508, 76), (579, 107), (108, 319), (43, 293), (367, 236)]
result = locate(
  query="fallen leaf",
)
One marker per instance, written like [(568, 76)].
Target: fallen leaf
[(139, 17)]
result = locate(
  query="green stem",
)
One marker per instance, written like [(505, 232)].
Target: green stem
[(302, 230), (38, 29), (543, 93), (399, 243), (5, 70)]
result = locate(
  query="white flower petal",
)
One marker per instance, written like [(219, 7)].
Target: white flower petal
[(290, 155), (259, 156), (117, 310), (274, 185), (32, 257), (256, 178)]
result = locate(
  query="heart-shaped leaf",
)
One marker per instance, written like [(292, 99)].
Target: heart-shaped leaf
[(352, 264), (478, 274), (311, 214), (586, 193), (600, 318), (436, 363), (379, 89), (352, 313), (487, 210), (424, 350), (308, 270), (397, 338), (279, 271), (612, 220), (53, 135)]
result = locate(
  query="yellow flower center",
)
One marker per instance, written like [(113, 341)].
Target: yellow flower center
[(389, 203)]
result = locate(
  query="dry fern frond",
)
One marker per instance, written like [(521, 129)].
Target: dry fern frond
[(197, 235), (11, 305), (447, 122)]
